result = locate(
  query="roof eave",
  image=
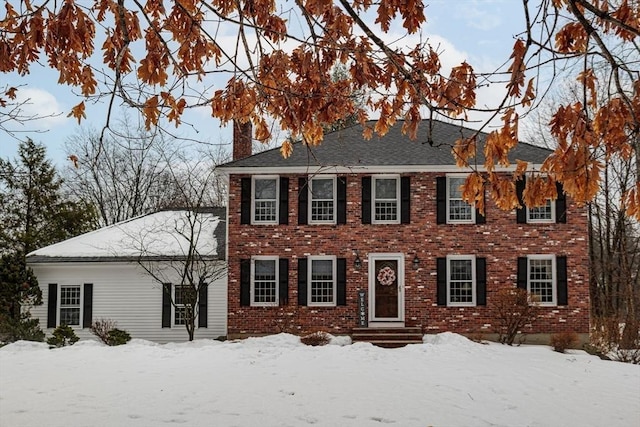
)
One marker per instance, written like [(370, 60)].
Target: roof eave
[(43, 259), (249, 170)]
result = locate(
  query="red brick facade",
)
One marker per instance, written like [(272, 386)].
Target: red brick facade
[(500, 241)]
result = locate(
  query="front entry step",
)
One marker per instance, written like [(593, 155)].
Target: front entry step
[(388, 337)]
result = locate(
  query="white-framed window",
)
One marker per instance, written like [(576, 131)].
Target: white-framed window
[(322, 200), (264, 200), (541, 214), (322, 289), (541, 278), (461, 280), (458, 210), (70, 308), (180, 297), (386, 199), (264, 281)]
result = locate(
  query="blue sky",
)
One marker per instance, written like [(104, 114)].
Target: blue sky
[(482, 32)]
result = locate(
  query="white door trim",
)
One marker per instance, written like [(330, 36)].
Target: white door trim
[(372, 285)]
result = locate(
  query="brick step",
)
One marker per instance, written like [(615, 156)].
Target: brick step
[(407, 329), (392, 343), (388, 337), (363, 336)]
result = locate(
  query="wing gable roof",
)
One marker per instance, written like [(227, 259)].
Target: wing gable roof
[(159, 235)]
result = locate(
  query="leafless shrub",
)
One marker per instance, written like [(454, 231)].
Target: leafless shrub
[(617, 339), (512, 308), (563, 341), (316, 338), (101, 328)]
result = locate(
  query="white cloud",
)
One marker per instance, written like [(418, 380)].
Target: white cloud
[(41, 105), (480, 19)]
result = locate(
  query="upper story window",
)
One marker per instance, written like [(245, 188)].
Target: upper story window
[(386, 200), (264, 281), (265, 200), (322, 281), (553, 211), (322, 200), (461, 280), (458, 210), (70, 304), (544, 213)]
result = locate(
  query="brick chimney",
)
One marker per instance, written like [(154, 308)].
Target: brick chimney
[(242, 139)]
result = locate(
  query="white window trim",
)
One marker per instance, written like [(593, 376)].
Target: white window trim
[(473, 302), (473, 208), (252, 291), (310, 199), (335, 280), (254, 178), (80, 318), (373, 199), (543, 221), (174, 306), (554, 278)]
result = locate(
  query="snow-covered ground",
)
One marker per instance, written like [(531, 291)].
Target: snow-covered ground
[(276, 381)]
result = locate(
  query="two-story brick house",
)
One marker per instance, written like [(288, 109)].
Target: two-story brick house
[(384, 218)]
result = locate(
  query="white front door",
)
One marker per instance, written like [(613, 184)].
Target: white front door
[(386, 287)]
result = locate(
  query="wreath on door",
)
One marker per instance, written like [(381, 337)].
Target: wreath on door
[(386, 276)]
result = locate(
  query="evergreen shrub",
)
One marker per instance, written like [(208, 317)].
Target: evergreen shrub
[(63, 335)]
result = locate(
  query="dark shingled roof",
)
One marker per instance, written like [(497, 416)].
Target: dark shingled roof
[(348, 148)]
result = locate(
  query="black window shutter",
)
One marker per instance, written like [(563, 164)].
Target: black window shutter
[(52, 306), (284, 201), (203, 301), (481, 281), (245, 282), (442, 280), (303, 200), (480, 218), (366, 200), (245, 201), (441, 200), (561, 271), (166, 305), (561, 204), (302, 281), (87, 305), (521, 213), (523, 266), (341, 213), (341, 283), (405, 200), (283, 281)]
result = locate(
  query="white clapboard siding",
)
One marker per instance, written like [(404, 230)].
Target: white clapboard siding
[(125, 293)]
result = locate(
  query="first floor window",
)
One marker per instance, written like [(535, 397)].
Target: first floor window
[(322, 281), (541, 278), (386, 204), (181, 302), (70, 298), (458, 210), (461, 280), (264, 281), (265, 200)]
